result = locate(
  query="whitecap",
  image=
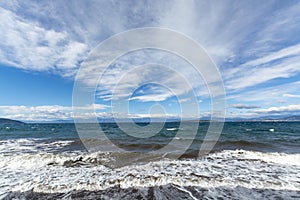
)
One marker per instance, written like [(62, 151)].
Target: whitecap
[(172, 129)]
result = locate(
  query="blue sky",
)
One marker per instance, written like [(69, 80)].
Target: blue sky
[(255, 45)]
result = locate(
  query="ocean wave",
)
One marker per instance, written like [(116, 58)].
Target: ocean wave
[(60, 173), (32, 145)]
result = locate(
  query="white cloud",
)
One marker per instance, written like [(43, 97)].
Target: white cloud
[(283, 53), (56, 112), (243, 106), (151, 97), (257, 71), (91, 23), (291, 95), (25, 44), (265, 94), (182, 100), (290, 109), (225, 29), (171, 75), (48, 113), (56, 36)]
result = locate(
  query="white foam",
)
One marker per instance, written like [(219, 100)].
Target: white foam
[(172, 129), (227, 168), (280, 158), (30, 145)]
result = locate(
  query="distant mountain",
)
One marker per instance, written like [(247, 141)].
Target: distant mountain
[(59, 121), (292, 118), (137, 120), (284, 118), (9, 121), (147, 120)]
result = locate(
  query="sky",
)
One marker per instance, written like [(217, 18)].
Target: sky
[(43, 44)]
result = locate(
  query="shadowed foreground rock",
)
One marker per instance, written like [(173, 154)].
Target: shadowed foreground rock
[(163, 192)]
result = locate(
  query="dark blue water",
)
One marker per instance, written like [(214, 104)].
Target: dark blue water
[(257, 136)]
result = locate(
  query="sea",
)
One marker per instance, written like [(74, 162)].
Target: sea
[(250, 160)]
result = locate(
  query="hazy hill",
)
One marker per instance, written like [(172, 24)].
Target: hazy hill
[(9, 121)]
